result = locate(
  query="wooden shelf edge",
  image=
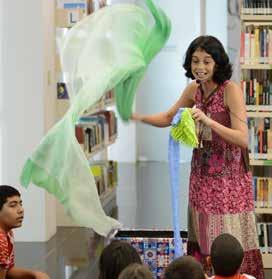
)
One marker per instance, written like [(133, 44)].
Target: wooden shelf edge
[(246, 17), (260, 162), (256, 66), (259, 108), (259, 114), (259, 210), (267, 260)]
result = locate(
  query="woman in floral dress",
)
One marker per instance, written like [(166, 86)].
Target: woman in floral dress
[(220, 194)]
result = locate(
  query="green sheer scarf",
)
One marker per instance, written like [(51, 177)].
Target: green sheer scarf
[(108, 49)]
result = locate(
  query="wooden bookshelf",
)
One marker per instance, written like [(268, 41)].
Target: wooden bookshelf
[(259, 162)]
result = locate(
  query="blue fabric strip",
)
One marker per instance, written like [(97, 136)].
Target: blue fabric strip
[(174, 171)]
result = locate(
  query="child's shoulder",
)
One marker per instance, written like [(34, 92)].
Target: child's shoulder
[(249, 276)]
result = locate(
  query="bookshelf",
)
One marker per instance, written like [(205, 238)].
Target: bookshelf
[(96, 130), (256, 83)]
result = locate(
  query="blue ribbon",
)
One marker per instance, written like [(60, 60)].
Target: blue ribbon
[(174, 170)]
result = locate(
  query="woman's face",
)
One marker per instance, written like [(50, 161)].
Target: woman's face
[(202, 65)]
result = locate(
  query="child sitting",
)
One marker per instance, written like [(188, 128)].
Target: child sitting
[(185, 267), (116, 257), (226, 258), (11, 217)]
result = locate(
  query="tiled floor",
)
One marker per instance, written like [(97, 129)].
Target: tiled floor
[(143, 201)]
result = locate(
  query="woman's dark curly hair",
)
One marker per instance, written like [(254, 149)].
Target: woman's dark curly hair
[(210, 44)]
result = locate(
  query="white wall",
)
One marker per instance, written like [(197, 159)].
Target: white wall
[(216, 19), (22, 115), (165, 80)]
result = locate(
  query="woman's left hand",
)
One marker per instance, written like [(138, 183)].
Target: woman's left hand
[(199, 115)]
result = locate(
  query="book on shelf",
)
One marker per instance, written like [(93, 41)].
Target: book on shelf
[(111, 120), (90, 134), (257, 87), (264, 231), (105, 174), (256, 44), (96, 130), (256, 7), (262, 189), (260, 136), (62, 92)]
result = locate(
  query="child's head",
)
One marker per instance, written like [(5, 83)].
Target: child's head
[(11, 210), (226, 255), (115, 257), (136, 271), (206, 59), (185, 267)]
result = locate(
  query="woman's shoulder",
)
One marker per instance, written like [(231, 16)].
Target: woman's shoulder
[(231, 86), (192, 87)]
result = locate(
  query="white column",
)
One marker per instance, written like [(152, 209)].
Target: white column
[(22, 108)]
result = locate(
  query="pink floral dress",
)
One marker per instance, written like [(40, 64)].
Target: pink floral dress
[(221, 193)]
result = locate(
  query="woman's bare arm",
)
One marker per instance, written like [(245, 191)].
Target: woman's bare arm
[(163, 119)]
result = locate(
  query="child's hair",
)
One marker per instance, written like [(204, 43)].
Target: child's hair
[(136, 271), (226, 255), (7, 192), (210, 44), (185, 267), (115, 257)]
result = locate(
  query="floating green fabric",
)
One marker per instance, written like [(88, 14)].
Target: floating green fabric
[(125, 90), (183, 128), (110, 48)]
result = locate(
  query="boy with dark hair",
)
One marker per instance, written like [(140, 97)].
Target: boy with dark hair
[(115, 258), (185, 267), (227, 256), (11, 217)]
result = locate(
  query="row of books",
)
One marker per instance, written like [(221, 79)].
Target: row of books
[(95, 131), (256, 45), (256, 7), (262, 188), (257, 87), (265, 237), (260, 135), (105, 174)]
